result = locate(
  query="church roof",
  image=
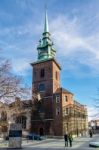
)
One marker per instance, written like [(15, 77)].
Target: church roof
[(63, 90), (24, 103)]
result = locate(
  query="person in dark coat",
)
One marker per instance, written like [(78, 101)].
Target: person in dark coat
[(90, 133), (70, 138), (66, 140)]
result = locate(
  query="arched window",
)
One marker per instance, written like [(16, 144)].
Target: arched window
[(22, 121)]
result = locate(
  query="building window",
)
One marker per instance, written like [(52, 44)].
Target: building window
[(66, 98), (42, 73), (67, 110), (57, 111), (41, 87), (22, 121), (56, 75), (57, 98)]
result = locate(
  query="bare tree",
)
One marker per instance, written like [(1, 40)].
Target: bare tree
[(10, 85)]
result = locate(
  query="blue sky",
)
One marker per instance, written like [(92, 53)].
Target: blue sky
[(74, 27)]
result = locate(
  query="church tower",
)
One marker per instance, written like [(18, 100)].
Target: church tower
[(46, 75), (55, 112), (46, 70)]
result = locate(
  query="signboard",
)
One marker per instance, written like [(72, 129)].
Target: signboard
[(15, 136)]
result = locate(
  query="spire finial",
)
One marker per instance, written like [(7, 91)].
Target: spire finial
[(46, 27)]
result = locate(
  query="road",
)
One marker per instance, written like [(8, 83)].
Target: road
[(81, 143)]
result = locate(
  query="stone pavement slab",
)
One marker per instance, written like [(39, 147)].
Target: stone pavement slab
[(81, 143)]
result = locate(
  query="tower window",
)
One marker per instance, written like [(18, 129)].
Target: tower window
[(42, 73), (57, 98), (57, 111), (41, 87)]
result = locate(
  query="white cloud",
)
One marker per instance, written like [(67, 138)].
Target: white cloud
[(73, 47), (93, 113), (70, 43), (21, 66)]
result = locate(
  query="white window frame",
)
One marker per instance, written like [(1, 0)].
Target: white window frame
[(57, 98)]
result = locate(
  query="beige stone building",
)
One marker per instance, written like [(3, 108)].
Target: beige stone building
[(16, 112)]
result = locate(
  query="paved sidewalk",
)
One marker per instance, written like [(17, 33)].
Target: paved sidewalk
[(53, 143), (3, 143), (58, 143)]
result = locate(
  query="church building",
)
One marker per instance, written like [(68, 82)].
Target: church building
[(55, 112), (52, 110)]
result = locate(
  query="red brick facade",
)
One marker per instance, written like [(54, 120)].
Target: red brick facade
[(51, 81), (55, 101)]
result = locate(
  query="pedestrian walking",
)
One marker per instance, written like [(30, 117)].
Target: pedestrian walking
[(90, 133), (70, 138), (66, 139)]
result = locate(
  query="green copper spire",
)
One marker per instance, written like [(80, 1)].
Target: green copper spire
[(45, 47), (46, 27)]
